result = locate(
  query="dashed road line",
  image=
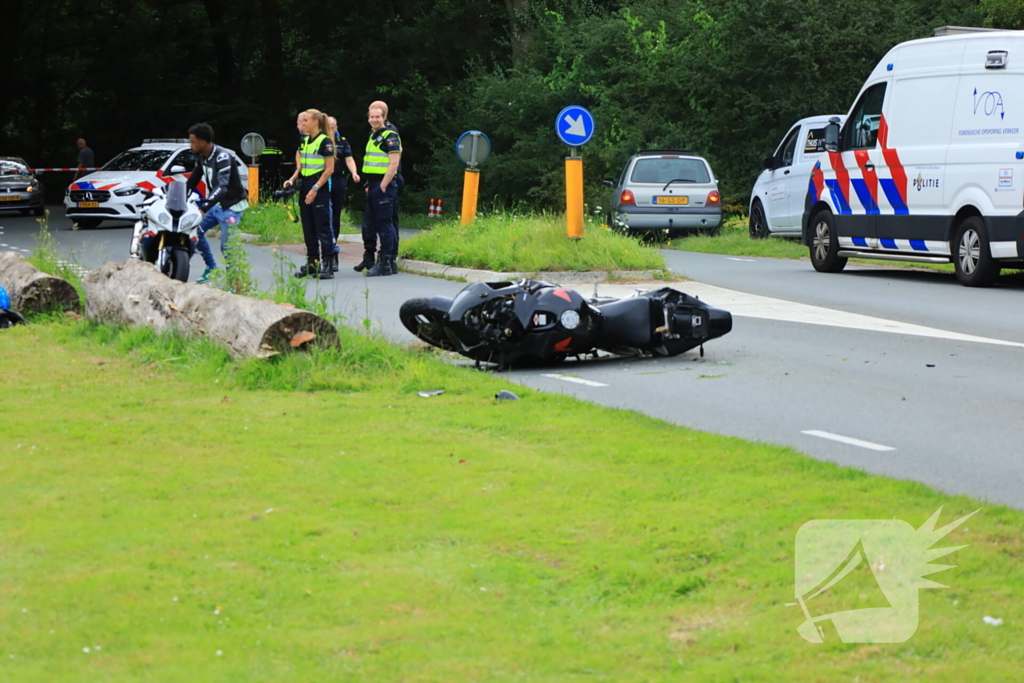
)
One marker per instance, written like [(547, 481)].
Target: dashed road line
[(849, 440), (576, 380)]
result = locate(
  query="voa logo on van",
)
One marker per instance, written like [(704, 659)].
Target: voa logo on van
[(920, 182), (989, 103)]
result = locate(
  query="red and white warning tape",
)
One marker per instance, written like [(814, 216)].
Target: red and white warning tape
[(51, 170)]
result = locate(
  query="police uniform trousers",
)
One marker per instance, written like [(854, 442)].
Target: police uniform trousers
[(316, 222), (378, 218)]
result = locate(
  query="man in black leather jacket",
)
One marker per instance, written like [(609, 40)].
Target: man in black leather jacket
[(225, 198)]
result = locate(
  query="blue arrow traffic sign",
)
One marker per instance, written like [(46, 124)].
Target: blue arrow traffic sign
[(574, 125)]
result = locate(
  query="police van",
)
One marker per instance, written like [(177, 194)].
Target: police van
[(928, 165)]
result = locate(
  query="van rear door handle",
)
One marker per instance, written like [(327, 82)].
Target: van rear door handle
[(869, 166), (786, 172)]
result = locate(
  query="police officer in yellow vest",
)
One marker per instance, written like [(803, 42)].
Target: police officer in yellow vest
[(315, 165), (380, 164)]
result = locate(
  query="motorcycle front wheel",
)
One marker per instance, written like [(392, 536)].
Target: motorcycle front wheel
[(174, 263), (426, 321)]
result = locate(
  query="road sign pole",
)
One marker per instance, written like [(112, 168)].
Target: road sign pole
[(470, 192), (254, 184), (574, 197)]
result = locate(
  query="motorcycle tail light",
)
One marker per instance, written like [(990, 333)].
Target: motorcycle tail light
[(714, 199), (627, 197)]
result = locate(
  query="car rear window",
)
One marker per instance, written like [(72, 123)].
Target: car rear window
[(139, 160), (666, 169)]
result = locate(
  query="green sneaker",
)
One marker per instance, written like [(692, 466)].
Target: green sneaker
[(205, 277)]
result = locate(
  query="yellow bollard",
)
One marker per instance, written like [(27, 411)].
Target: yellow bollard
[(470, 191), (574, 197), (254, 184)]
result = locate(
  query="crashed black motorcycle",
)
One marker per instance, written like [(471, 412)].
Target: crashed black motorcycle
[(508, 322)]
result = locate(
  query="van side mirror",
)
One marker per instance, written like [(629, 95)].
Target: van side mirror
[(768, 163), (832, 135)]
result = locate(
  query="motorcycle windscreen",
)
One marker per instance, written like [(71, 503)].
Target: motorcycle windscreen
[(176, 198)]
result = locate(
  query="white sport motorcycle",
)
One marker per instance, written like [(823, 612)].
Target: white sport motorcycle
[(167, 233)]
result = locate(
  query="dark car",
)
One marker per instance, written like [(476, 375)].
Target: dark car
[(20, 190), (669, 191)]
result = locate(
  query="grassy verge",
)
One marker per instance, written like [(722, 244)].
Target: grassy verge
[(735, 240), (272, 223), (530, 244), (167, 514)]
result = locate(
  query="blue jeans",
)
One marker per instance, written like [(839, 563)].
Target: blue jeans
[(228, 221)]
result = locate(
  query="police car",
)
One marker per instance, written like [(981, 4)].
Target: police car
[(115, 191)]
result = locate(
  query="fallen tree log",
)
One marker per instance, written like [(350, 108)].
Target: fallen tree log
[(135, 293), (31, 289)]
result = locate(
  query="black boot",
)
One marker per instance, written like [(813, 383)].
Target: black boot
[(306, 270), (367, 262), (383, 267), (326, 270), (334, 262)]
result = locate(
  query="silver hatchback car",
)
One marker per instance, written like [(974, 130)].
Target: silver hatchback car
[(669, 191)]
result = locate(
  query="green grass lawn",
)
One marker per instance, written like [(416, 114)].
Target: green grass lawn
[(167, 515), (530, 244), (272, 223)]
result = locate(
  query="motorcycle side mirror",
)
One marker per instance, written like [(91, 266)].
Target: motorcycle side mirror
[(177, 169)]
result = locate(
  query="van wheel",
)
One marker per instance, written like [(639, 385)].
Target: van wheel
[(825, 244), (758, 223), (972, 256)]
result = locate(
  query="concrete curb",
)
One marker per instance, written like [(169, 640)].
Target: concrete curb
[(472, 275)]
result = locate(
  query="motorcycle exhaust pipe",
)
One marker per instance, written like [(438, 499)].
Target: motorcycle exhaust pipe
[(719, 323)]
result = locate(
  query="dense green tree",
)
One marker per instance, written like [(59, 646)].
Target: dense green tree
[(722, 77)]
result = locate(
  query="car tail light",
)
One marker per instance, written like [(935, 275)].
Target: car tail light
[(714, 199), (627, 197)]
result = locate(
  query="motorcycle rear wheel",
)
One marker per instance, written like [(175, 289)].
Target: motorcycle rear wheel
[(426, 321)]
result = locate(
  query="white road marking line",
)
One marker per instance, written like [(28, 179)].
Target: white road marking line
[(576, 380), (848, 440), (743, 305), (745, 260)]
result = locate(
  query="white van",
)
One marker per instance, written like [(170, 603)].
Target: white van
[(928, 166), (777, 201)]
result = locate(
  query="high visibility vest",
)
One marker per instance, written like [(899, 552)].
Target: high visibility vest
[(272, 151), (375, 160), (312, 162)]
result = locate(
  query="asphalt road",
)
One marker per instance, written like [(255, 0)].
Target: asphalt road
[(896, 372)]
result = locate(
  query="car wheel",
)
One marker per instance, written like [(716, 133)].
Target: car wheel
[(825, 244), (758, 222), (88, 223), (972, 256)]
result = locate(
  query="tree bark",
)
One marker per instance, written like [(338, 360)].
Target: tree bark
[(274, 61), (30, 289), (135, 293), (222, 47)]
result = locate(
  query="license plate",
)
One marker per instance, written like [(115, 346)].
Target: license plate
[(88, 205), (671, 200), (10, 198)]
